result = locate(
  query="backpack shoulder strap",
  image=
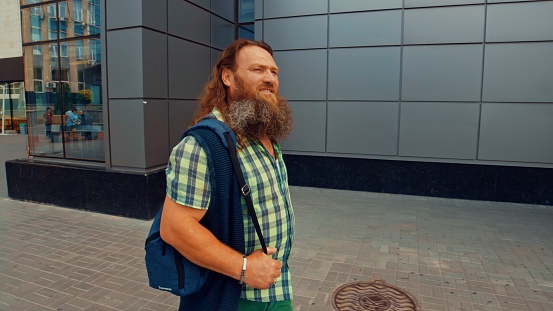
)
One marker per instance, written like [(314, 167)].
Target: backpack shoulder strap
[(218, 127)]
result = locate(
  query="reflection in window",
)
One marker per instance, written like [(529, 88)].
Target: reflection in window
[(64, 49), (37, 50), (36, 22), (61, 74), (246, 12), (78, 10)]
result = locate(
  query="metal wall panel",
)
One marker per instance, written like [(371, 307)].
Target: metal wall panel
[(442, 73), (427, 3), (206, 4), (154, 63), (296, 33), (125, 66), (502, 1), (518, 72), (222, 32), (123, 14), (530, 21), (363, 127), (223, 8), (439, 130), (126, 119), (309, 127), (356, 5), (130, 13), (365, 29), (189, 68), (309, 67), (457, 24), (181, 113), (520, 132), (188, 21), (258, 10), (281, 8), (364, 73), (156, 140)]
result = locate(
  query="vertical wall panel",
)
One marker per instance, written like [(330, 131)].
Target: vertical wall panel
[(181, 114), (223, 8), (365, 28), (222, 32), (518, 72), (156, 128), (531, 21), (309, 67), (364, 73), (296, 33), (189, 68), (363, 128), (154, 45), (439, 130), (442, 73), (444, 25), (127, 127), (125, 63), (189, 22), (520, 132), (309, 127)]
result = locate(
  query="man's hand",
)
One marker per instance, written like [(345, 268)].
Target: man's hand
[(262, 270)]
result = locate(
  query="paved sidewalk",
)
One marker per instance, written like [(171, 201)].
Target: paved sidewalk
[(449, 254), (12, 146)]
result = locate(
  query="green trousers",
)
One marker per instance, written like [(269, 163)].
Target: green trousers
[(247, 305)]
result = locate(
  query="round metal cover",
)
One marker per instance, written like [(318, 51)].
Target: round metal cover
[(373, 296)]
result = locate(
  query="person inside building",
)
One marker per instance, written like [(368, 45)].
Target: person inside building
[(243, 92), (72, 120), (47, 116)]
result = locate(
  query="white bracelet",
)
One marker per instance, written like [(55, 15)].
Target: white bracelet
[(243, 269)]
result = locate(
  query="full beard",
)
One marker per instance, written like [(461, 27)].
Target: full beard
[(260, 115)]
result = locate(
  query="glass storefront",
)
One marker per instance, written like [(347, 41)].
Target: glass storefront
[(62, 56), (12, 101)]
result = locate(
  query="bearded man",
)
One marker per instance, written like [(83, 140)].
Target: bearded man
[(243, 93)]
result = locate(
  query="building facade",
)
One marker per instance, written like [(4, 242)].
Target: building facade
[(12, 99), (423, 97)]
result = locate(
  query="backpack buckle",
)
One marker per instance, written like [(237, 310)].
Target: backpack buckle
[(245, 190)]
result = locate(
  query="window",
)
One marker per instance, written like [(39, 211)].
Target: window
[(52, 11), (64, 49), (246, 12), (79, 50), (36, 29), (53, 50), (37, 50), (37, 80), (78, 10)]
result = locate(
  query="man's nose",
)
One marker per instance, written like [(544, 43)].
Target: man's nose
[(270, 77)]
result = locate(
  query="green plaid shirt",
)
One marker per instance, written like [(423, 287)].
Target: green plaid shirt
[(188, 184)]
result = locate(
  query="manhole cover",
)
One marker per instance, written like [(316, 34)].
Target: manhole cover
[(373, 296)]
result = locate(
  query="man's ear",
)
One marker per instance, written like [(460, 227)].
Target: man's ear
[(227, 77)]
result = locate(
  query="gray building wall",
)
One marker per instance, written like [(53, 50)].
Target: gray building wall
[(159, 54), (459, 81)]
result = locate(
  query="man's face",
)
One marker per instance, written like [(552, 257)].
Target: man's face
[(256, 75), (255, 109)]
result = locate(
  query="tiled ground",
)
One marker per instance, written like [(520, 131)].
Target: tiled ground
[(449, 254)]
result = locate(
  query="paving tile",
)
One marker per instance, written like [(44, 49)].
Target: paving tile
[(449, 254)]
